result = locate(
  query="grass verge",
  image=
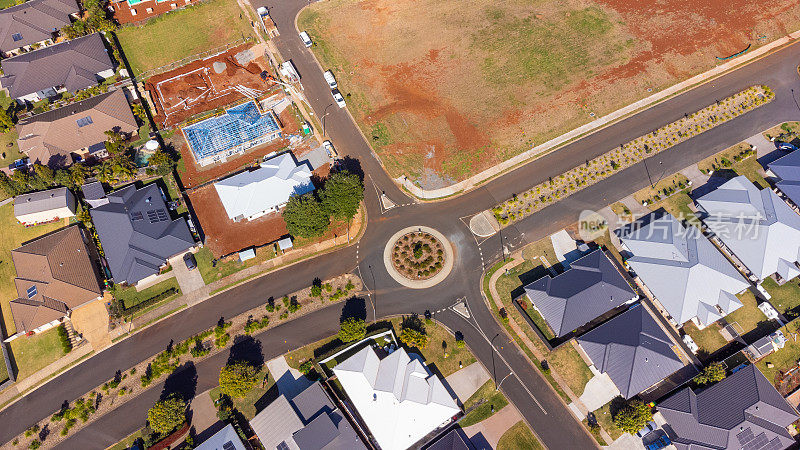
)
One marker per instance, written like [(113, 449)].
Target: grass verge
[(519, 436), (486, 401)]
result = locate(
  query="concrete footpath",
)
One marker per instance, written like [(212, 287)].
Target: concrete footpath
[(592, 126)]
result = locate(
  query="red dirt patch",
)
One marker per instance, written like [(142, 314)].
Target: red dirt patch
[(195, 88)]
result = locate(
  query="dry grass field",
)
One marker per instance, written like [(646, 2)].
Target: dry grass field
[(445, 89)]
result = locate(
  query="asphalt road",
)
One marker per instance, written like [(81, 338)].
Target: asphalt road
[(540, 406)]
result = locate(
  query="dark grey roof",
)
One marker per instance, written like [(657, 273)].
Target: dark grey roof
[(313, 424), (591, 287), (137, 233), (455, 439), (742, 411), (93, 190), (787, 168), (72, 64), (33, 21), (633, 350)]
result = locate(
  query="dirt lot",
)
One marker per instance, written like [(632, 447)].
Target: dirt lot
[(193, 175), (196, 87), (462, 86)]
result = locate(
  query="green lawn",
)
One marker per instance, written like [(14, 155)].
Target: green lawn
[(32, 353), (126, 443), (7, 3), (3, 371), (197, 28), (519, 436), (9, 153), (130, 297), (13, 236), (786, 298), (434, 354), (708, 339), (565, 360), (224, 268), (537, 318), (603, 416), (490, 398), (247, 404), (750, 318), (784, 358)]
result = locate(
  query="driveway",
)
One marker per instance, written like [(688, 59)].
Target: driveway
[(188, 280), (467, 380), (91, 322)]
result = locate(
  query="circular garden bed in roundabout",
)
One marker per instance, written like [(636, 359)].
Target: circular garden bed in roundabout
[(418, 255)]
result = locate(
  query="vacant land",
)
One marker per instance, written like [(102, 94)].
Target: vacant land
[(13, 236), (464, 85), (180, 34), (32, 353)]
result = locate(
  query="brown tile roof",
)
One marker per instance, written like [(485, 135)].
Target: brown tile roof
[(49, 138), (61, 270)]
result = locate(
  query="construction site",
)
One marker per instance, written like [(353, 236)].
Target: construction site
[(208, 84)]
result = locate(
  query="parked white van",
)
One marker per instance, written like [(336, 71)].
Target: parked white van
[(306, 39), (330, 79)]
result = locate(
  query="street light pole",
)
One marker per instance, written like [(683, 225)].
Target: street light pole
[(324, 115)]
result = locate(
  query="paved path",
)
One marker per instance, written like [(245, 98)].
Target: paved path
[(467, 380), (492, 429)]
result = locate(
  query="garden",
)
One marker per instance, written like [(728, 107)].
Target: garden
[(630, 153), (418, 255)]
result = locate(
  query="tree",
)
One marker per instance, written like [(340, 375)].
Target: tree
[(6, 120), (413, 338), (711, 374), (633, 416), (123, 168), (305, 216), (45, 173), (167, 415), (342, 194), (78, 172), (352, 329), (161, 160), (237, 378), (138, 111), (115, 143)]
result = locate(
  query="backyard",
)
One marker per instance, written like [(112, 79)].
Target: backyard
[(32, 353), (419, 83), (198, 28), (12, 237)]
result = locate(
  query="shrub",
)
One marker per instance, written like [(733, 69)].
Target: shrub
[(63, 337), (167, 415), (460, 343), (33, 429), (238, 378), (34, 444), (711, 374), (316, 290), (413, 338), (306, 367), (222, 340), (284, 315), (352, 329), (633, 416)]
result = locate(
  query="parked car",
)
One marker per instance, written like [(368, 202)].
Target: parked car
[(785, 146), (338, 97), (190, 262), (329, 148), (306, 39), (647, 428), (659, 443), (330, 79)]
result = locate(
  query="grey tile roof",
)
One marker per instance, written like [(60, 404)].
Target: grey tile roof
[(591, 287), (72, 64), (455, 439), (33, 21), (41, 201), (683, 269), (309, 422), (758, 227), (633, 350), (137, 233), (742, 411)]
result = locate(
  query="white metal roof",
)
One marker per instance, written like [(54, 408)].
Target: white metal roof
[(398, 398), (250, 193)]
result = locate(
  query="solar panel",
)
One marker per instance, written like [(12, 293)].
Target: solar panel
[(137, 215), (282, 446), (32, 291), (83, 121), (16, 37), (228, 446), (152, 216), (162, 215)]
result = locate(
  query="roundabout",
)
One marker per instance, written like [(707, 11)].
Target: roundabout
[(418, 257)]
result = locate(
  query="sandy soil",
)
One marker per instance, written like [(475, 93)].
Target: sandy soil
[(196, 87), (447, 89)]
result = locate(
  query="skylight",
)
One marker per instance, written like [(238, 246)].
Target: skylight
[(32, 291), (16, 37), (82, 122)]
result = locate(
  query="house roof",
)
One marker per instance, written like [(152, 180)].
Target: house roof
[(742, 411), (591, 287), (55, 274), (33, 21), (398, 398), (455, 439), (759, 228), (137, 233), (271, 185), (787, 169), (49, 138), (224, 439), (687, 274), (307, 421), (41, 201), (72, 64), (633, 350)]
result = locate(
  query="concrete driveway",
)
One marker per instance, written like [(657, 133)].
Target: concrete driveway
[(188, 280), (467, 380)]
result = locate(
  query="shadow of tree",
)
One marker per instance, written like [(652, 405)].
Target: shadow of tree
[(182, 381), (247, 349), (354, 307)]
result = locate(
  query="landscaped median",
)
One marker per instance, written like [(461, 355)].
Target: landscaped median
[(630, 153), (131, 383)]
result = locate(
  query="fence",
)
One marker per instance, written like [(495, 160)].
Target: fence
[(182, 62), (7, 361)]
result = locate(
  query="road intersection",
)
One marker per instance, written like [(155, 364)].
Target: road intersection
[(523, 385)]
